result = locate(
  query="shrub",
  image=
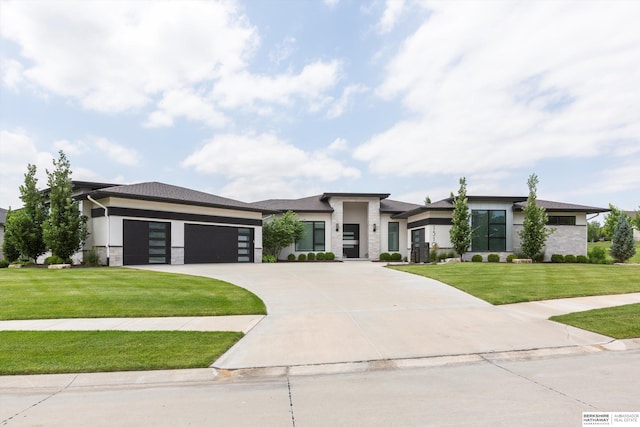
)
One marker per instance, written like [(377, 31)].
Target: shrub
[(330, 256), (570, 258), (493, 258), (291, 257), (385, 256), (581, 259), (396, 256), (268, 258), (321, 256), (433, 253), (4, 263), (91, 257), (451, 254), (476, 258), (557, 258), (53, 259), (311, 256), (511, 257), (302, 257), (442, 256), (597, 255), (539, 257)]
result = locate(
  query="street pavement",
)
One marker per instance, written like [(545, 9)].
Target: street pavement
[(492, 391)]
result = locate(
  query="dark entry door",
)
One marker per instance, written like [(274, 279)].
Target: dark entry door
[(351, 240), (419, 250)]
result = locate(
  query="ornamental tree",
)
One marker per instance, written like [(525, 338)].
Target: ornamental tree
[(280, 232), (460, 232), (9, 247), (535, 232), (622, 244), (65, 230), (611, 221), (31, 217)]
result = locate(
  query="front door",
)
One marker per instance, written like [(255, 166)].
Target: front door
[(419, 251), (351, 241)]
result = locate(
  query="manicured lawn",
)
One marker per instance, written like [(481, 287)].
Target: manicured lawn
[(606, 245), (35, 293), (502, 283), (35, 352), (617, 322)]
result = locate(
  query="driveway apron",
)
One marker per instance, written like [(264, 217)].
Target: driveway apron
[(323, 313)]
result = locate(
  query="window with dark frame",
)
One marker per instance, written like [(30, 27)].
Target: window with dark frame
[(394, 236), (158, 242), (561, 220), (313, 237), (489, 230)]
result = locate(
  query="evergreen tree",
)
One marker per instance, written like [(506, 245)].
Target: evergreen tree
[(28, 239), (427, 200), (65, 229), (460, 232), (622, 244), (9, 248), (534, 233)]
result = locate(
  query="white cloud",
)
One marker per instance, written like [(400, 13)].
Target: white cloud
[(11, 73), (18, 151), (116, 152), (265, 159), (78, 147), (392, 11), (331, 3), (282, 50), (246, 90), (185, 103), (114, 56), (499, 85), (341, 105), (338, 144)]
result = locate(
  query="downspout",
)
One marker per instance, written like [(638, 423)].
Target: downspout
[(106, 214)]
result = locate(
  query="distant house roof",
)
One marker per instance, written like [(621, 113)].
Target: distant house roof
[(3, 215), (159, 192), (632, 214)]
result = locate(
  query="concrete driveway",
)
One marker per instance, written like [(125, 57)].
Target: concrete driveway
[(324, 313)]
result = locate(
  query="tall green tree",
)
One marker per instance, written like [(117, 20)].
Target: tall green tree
[(611, 221), (427, 200), (636, 220), (460, 232), (594, 231), (535, 232), (30, 219), (65, 230), (622, 244), (281, 231), (10, 250)]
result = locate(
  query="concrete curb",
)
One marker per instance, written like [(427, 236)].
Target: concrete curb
[(130, 379)]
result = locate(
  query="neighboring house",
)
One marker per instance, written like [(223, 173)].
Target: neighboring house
[(3, 219), (355, 225), (156, 223), (636, 232)]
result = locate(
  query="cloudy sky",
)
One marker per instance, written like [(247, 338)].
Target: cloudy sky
[(261, 99)]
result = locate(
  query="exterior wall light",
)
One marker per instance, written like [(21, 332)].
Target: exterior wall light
[(337, 227), (374, 228)]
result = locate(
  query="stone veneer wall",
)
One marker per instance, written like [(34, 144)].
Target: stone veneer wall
[(565, 240), (177, 255), (115, 257), (373, 217)]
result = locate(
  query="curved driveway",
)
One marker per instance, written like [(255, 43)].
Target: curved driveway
[(321, 313)]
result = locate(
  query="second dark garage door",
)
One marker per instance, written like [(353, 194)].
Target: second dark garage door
[(216, 244)]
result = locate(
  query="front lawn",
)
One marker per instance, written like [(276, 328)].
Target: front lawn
[(36, 293), (47, 352), (503, 283), (607, 245), (616, 322)]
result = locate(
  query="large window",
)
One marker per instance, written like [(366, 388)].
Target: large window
[(312, 238), (562, 220), (394, 236), (489, 231)]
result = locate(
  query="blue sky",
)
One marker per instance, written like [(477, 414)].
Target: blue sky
[(261, 99)]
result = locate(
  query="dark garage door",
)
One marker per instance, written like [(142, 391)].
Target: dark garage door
[(216, 244), (146, 242)]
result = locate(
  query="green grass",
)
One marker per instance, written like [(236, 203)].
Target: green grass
[(47, 352), (617, 322), (510, 283), (606, 245), (36, 293)]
